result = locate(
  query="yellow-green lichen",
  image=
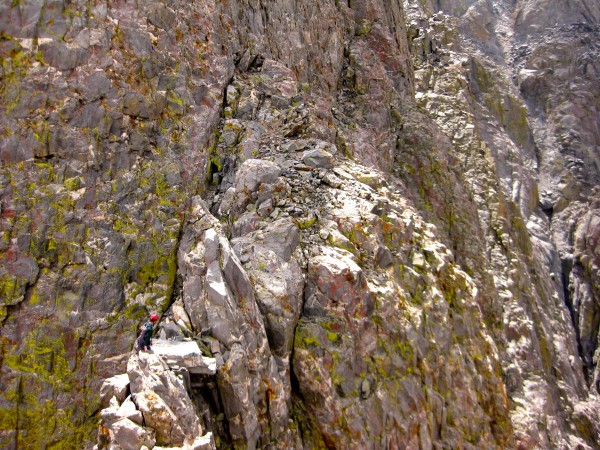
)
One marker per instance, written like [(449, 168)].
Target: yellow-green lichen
[(306, 222), (44, 356), (40, 424), (11, 288), (333, 337)]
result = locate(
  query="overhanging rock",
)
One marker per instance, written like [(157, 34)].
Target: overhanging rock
[(184, 354)]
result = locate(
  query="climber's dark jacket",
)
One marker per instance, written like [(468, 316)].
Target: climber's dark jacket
[(145, 338)]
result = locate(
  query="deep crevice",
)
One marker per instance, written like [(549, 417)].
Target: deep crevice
[(588, 365), (209, 407)]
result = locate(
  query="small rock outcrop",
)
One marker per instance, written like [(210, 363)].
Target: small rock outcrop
[(157, 410)]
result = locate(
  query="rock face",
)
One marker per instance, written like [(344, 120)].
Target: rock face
[(368, 224), (513, 93)]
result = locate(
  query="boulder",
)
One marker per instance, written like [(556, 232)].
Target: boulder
[(254, 172), (129, 411), (110, 414), (159, 416), (131, 436), (170, 331), (318, 158), (181, 317), (282, 237), (235, 383), (278, 286), (335, 281), (117, 386)]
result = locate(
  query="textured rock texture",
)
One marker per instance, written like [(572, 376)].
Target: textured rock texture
[(380, 218), (158, 410)]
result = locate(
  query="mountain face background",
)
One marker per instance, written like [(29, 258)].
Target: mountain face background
[(381, 218)]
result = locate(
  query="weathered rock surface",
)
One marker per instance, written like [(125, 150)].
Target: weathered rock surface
[(117, 387), (364, 224), (497, 93), (184, 354), (158, 411)]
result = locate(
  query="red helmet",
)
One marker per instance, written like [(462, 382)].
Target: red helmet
[(154, 317)]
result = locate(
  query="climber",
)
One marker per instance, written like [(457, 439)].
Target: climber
[(144, 340)]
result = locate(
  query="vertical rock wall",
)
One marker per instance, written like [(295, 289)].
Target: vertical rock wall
[(518, 106), (107, 111), (380, 219)]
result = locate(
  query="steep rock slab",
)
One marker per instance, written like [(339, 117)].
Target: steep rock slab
[(278, 285), (130, 436), (368, 257), (372, 340)]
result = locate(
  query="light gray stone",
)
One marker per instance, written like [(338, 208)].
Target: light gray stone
[(131, 436), (318, 158), (282, 237), (254, 172), (162, 399), (129, 411), (234, 384), (185, 354), (117, 386)]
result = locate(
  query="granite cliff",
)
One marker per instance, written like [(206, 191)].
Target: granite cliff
[(380, 218)]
